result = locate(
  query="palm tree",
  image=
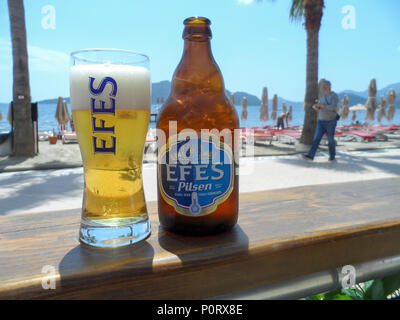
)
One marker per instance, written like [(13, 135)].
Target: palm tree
[(311, 12), (22, 124)]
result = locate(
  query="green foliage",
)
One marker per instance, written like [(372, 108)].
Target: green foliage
[(297, 10), (378, 289)]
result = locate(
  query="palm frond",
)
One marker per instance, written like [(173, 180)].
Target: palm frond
[(296, 12)]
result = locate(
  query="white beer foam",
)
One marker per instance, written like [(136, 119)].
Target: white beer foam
[(133, 86)]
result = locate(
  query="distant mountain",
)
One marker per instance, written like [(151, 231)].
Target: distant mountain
[(362, 96), (162, 89), (251, 99), (53, 101), (380, 92), (353, 98), (158, 89)]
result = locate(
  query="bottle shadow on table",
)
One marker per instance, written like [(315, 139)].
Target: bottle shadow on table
[(196, 249)]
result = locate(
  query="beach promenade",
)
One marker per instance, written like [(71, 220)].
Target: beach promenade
[(59, 189)]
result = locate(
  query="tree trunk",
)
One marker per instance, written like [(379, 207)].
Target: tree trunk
[(310, 117), (22, 124)]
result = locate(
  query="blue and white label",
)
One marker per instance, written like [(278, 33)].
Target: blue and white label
[(195, 175)]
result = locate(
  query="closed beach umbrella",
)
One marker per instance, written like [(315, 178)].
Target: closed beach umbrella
[(321, 88), (382, 109), (58, 114), (1, 116), (344, 113), (371, 103), (274, 107), (243, 116), (290, 117), (62, 115), (284, 108), (264, 105), (320, 91), (66, 112), (391, 99), (232, 99)]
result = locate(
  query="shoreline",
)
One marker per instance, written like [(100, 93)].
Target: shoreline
[(62, 156)]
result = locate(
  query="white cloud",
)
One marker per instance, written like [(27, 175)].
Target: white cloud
[(47, 60), (40, 59), (246, 2)]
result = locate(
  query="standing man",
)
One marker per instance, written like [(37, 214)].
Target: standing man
[(327, 119)]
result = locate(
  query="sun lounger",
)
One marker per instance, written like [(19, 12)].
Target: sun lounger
[(337, 134), (5, 144), (288, 137), (378, 134), (359, 136), (283, 131), (44, 136), (292, 136), (256, 135), (351, 127), (390, 128), (69, 137)]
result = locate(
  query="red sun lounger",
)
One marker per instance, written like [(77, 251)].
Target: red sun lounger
[(359, 135), (288, 136), (257, 136)]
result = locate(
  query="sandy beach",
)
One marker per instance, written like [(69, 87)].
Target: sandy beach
[(60, 185), (59, 156)]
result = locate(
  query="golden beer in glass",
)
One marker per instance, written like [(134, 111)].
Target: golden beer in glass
[(110, 102)]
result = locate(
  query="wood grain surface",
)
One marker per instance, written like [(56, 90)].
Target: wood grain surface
[(281, 234)]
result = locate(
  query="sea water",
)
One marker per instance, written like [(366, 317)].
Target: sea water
[(47, 121)]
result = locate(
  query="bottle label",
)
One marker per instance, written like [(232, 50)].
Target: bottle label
[(195, 175)]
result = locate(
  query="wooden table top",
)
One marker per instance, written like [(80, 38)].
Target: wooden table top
[(281, 234)]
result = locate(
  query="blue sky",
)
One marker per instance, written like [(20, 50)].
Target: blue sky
[(255, 44)]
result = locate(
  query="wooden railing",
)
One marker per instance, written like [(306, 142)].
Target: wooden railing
[(281, 235)]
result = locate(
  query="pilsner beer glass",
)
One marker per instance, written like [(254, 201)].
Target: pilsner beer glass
[(110, 102)]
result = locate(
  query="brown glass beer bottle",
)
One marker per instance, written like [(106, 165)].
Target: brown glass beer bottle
[(198, 157)]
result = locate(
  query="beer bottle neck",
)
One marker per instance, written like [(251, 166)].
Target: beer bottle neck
[(197, 52), (197, 69)]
